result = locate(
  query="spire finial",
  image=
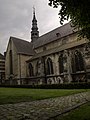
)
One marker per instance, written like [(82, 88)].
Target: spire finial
[(33, 10)]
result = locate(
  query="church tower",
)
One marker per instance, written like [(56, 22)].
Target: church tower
[(34, 32)]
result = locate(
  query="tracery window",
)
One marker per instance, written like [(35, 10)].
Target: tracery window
[(62, 63), (78, 62), (38, 67), (61, 67), (49, 66), (30, 70)]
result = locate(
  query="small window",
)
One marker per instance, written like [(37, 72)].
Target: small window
[(58, 34), (35, 33)]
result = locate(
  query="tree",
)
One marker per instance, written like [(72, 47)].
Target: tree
[(78, 11)]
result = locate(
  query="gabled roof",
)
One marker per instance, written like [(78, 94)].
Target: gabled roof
[(22, 46), (2, 57), (53, 35), (57, 49)]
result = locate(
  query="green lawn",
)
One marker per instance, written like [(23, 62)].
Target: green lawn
[(13, 95), (81, 113)]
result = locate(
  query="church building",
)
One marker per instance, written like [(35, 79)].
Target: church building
[(53, 58)]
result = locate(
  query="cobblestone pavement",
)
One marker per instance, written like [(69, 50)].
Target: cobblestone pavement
[(42, 109)]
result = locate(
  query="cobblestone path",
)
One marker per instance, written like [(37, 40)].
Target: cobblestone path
[(42, 109)]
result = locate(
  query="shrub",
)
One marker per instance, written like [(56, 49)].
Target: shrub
[(53, 86)]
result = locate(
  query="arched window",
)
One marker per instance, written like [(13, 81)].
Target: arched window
[(30, 70), (49, 66), (38, 67), (73, 63), (61, 67), (78, 61)]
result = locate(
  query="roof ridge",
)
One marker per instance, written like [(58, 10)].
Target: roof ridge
[(22, 46), (53, 35), (54, 29), (19, 39)]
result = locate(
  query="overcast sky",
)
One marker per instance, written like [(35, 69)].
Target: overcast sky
[(16, 19)]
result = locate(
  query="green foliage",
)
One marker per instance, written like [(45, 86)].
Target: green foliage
[(78, 11), (82, 113)]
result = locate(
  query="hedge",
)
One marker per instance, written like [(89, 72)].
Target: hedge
[(53, 86)]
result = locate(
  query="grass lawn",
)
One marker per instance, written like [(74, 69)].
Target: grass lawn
[(81, 113), (14, 95)]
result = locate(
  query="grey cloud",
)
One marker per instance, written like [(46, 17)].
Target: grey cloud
[(16, 18)]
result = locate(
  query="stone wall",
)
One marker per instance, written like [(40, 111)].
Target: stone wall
[(57, 43), (68, 75), (22, 65), (18, 63)]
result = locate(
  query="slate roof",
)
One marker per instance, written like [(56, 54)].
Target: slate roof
[(25, 47), (22, 46), (2, 57), (54, 35), (58, 49)]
